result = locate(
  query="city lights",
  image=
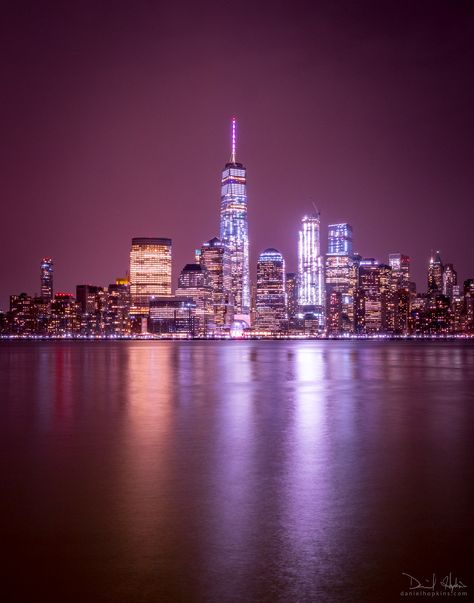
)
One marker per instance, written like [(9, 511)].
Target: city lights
[(337, 294)]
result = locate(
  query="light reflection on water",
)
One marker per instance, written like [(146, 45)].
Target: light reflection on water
[(236, 471)]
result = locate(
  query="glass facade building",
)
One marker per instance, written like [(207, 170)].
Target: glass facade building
[(47, 279), (400, 265), (150, 271), (291, 286), (372, 296), (214, 258), (450, 280), (270, 304), (435, 274), (194, 284), (311, 296), (234, 229), (340, 239)]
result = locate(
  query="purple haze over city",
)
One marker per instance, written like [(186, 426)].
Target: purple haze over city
[(115, 121)]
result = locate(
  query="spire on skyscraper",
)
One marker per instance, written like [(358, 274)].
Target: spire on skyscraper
[(234, 140)]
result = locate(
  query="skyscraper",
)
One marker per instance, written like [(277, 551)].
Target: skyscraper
[(214, 258), (291, 286), (435, 274), (398, 295), (150, 271), (234, 230), (47, 280), (340, 278), (400, 265), (311, 297), (270, 306), (371, 297), (450, 280), (340, 239), (194, 284)]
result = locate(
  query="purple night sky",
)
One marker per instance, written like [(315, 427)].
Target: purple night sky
[(115, 121)]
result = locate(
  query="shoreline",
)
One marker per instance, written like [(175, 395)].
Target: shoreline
[(381, 337)]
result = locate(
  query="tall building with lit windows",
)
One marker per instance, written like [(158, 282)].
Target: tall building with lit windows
[(372, 296), (435, 274), (340, 279), (214, 258), (400, 265), (340, 239), (150, 272), (234, 230), (194, 283), (450, 280), (311, 296), (398, 296), (270, 305), (47, 280)]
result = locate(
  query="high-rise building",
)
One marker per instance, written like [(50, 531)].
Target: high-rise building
[(21, 314), (399, 294), (150, 271), (92, 302), (87, 298), (311, 296), (435, 274), (291, 285), (400, 265), (340, 239), (65, 315), (47, 279), (270, 306), (234, 230), (214, 258), (371, 297), (340, 278), (118, 308), (450, 280), (469, 304), (194, 284)]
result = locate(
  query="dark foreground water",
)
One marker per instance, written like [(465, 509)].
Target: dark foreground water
[(235, 471)]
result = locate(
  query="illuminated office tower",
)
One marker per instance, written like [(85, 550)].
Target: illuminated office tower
[(65, 315), (371, 297), (214, 258), (150, 272), (47, 280), (400, 265), (311, 297), (435, 274), (340, 239), (398, 296), (234, 230), (291, 286), (469, 304), (270, 305), (340, 278), (194, 284), (118, 308), (450, 280), (92, 304)]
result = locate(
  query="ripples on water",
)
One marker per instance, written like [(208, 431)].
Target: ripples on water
[(234, 471)]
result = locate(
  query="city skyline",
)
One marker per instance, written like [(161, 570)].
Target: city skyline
[(337, 293), (106, 136)]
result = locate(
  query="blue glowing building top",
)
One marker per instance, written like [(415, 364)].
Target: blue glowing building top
[(234, 228), (340, 239)]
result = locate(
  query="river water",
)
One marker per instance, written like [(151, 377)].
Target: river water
[(235, 470)]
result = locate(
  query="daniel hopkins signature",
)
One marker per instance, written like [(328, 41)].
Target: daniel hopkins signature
[(430, 584)]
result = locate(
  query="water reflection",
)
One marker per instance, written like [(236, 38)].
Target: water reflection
[(236, 471)]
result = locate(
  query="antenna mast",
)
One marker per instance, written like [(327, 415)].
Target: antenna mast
[(234, 138)]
